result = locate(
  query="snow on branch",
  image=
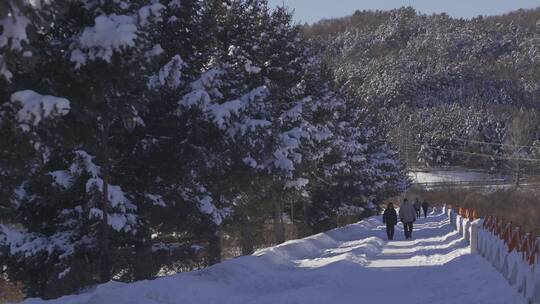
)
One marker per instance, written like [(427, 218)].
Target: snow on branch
[(27, 244), (4, 71), (122, 217), (156, 199), (113, 33), (148, 11), (13, 34), (109, 34), (169, 75), (37, 107), (221, 113), (298, 183), (13, 30), (203, 199), (287, 155)]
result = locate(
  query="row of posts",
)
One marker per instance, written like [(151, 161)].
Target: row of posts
[(512, 251)]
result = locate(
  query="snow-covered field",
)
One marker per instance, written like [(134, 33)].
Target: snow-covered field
[(454, 176), (353, 264)]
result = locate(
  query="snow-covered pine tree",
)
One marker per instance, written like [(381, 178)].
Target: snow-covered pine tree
[(360, 170), (229, 98), (22, 152), (172, 158), (276, 113), (18, 22), (95, 55)]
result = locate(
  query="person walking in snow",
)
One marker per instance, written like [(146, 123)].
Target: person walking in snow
[(417, 207), (425, 206), (407, 215), (390, 219)]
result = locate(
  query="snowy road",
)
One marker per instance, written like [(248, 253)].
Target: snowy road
[(353, 264)]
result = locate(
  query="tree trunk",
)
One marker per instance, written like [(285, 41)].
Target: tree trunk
[(105, 259), (144, 268), (292, 212), (305, 229), (246, 233), (246, 239), (279, 230), (214, 247)]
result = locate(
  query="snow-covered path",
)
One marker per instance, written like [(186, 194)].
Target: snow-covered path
[(353, 264)]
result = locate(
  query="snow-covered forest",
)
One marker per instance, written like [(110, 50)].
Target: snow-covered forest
[(133, 132), (449, 91)]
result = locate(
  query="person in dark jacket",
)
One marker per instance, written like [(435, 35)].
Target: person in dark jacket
[(425, 206), (417, 207), (390, 219)]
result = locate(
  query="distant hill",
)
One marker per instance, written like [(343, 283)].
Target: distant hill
[(433, 78), (528, 18)]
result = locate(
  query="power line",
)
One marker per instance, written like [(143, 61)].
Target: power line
[(484, 155), (488, 143)]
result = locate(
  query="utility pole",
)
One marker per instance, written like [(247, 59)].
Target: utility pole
[(518, 167), (407, 146)]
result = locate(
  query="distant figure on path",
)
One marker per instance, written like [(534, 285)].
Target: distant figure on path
[(390, 219), (407, 215), (417, 207), (425, 206)]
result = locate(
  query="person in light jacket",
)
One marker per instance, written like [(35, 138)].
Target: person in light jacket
[(390, 219), (407, 215)]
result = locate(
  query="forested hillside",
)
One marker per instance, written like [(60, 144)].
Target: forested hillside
[(132, 133), (449, 91)]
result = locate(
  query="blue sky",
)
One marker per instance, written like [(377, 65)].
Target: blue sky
[(314, 10)]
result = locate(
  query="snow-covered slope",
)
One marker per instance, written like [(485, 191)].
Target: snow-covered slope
[(353, 264), (441, 176)]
